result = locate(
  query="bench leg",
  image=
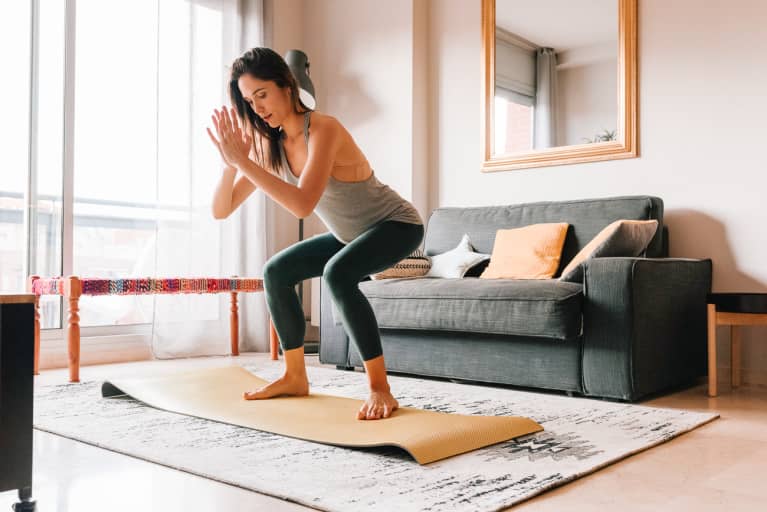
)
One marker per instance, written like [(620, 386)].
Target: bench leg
[(234, 326), (72, 292), (712, 350), (735, 355), (273, 341)]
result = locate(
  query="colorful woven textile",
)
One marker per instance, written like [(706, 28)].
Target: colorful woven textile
[(52, 286), (149, 285)]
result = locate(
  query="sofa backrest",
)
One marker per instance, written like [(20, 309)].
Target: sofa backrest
[(586, 217)]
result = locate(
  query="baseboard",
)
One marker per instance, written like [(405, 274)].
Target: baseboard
[(96, 350), (748, 376)]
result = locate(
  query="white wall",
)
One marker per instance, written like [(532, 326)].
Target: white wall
[(702, 105), (362, 67), (588, 101)]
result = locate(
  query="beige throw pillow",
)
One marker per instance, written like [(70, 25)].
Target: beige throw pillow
[(530, 252), (622, 238)]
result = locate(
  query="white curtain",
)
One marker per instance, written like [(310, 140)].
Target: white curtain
[(545, 133), (198, 41)]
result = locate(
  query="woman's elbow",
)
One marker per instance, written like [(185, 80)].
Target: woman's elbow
[(219, 214), (304, 211)]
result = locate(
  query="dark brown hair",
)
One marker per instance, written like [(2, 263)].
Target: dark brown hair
[(267, 65)]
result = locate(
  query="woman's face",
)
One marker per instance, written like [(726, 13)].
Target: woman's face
[(268, 101)]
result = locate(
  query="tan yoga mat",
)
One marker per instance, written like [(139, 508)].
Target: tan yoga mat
[(216, 394)]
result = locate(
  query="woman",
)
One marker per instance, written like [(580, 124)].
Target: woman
[(306, 161)]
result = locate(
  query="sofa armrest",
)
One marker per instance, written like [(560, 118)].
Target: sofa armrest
[(644, 324), (334, 342)]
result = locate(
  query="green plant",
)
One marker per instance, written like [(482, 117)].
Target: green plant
[(605, 136)]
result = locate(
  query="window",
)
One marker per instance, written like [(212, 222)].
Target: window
[(115, 152), (108, 121), (31, 238), (514, 122), (514, 94), (14, 103)]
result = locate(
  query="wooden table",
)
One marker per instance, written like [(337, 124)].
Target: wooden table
[(16, 396), (735, 310), (73, 287)]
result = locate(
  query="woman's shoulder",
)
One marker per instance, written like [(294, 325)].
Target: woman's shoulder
[(325, 128), (322, 120)]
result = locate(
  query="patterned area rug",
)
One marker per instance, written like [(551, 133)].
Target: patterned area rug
[(581, 436)]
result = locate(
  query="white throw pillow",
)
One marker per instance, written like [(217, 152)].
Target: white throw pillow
[(455, 262)]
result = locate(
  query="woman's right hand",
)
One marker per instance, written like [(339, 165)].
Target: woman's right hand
[(218, 120)]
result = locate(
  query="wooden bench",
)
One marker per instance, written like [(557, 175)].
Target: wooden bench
[(73, 287)]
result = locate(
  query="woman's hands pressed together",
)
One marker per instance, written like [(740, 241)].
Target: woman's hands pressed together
[(232, 143)]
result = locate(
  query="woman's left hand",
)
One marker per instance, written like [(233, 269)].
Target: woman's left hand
[(232, 142)]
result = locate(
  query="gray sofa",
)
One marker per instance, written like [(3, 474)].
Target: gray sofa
[(633, 327)]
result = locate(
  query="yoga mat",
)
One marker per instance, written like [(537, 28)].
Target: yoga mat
[(216, 394)]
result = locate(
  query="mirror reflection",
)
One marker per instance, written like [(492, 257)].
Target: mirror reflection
[(556, 72)]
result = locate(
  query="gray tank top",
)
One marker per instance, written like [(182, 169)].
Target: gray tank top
[(349, 208)]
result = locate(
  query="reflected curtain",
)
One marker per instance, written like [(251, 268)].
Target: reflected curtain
[(545, 133), (198, 41)]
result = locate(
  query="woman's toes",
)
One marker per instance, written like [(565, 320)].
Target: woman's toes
[(250, 395), (282, 386)]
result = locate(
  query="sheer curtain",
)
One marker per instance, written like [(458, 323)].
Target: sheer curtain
[(545, 99), (198, 39)]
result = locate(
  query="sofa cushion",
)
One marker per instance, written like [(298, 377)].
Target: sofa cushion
[(546, 308)]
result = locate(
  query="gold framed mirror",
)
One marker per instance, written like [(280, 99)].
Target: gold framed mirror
[(559, 82)]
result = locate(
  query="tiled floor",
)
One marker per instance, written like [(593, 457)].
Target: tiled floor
[(720, 466)]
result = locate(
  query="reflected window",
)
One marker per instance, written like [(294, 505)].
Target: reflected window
[(514, 119)]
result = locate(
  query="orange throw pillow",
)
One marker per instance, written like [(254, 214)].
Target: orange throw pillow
[(530, 252)]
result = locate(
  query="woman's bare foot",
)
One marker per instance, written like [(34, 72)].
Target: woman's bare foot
[(379, 405), (291, 385)]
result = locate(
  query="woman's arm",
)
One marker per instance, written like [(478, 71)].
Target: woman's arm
[(222, 197), (299, 199), (229, 195)]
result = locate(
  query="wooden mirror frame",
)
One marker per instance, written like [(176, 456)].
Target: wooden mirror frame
[(624, 147)]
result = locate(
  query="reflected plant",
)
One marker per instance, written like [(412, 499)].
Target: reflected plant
[(605, 136)]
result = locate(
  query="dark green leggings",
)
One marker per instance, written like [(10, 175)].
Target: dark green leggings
[(342, 266)]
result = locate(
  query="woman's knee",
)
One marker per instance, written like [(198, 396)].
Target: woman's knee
[(276, 273), (337, 278)]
